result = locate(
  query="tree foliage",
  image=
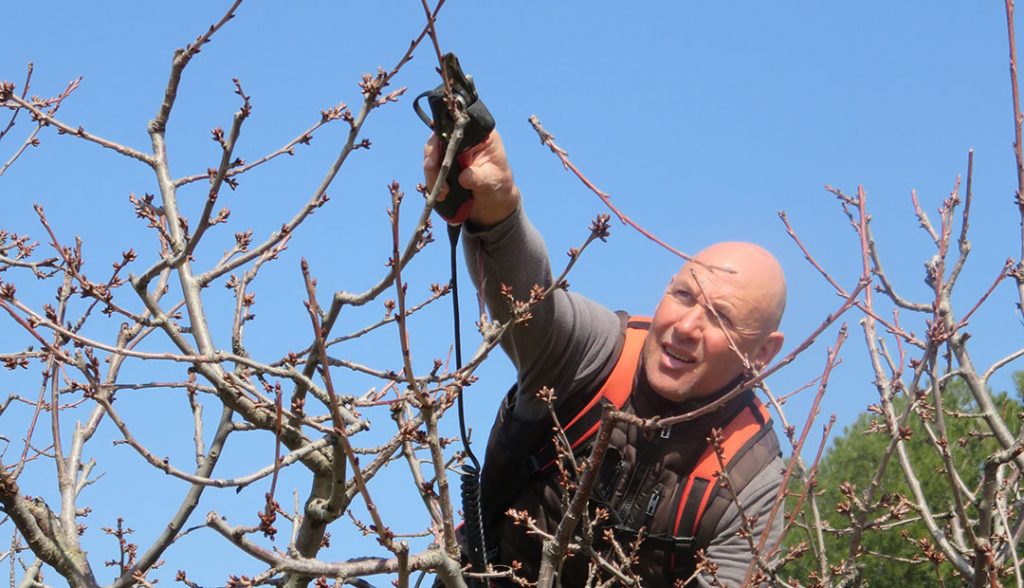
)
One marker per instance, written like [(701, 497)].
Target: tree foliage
[(898, 550)]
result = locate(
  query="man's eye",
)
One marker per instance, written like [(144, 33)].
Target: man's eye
[(722, 318), (684, 296)]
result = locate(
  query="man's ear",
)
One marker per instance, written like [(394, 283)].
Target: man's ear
[(769, 349)]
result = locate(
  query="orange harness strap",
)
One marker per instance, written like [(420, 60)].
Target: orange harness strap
[(619, 385), (735, 436)]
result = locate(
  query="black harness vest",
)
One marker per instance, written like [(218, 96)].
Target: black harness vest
[(644, 482)]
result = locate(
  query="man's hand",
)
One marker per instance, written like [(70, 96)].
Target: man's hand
[(485, 172)]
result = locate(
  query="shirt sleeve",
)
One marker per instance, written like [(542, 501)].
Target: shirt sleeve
[(729, 550), (569, 338)]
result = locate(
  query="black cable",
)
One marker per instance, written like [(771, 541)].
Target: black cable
[(472, 514), (453, 237)]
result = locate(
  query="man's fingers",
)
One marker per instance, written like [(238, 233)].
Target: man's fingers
[(469, 178), (432, 163), (467, 157), (477, 163), (431, 179)]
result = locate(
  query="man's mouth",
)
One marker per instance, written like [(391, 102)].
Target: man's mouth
[(676, 358)]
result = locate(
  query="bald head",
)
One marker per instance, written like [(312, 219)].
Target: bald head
[(718, 318), (751, 274)]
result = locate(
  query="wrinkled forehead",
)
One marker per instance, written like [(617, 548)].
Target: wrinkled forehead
[(728, 284), (710, 276), (743, 274)]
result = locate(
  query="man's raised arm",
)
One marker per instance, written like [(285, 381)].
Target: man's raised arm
[(569, 338)]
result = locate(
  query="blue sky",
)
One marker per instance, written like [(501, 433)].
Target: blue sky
[(703, 122)]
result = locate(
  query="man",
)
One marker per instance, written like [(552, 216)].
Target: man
[(717, 321)]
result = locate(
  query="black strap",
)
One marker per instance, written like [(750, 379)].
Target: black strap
[(692, 504), (669, 544)]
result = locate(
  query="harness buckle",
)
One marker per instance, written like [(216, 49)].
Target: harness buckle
[(684, 543)]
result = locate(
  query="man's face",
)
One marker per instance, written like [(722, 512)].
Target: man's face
[(687, 353)]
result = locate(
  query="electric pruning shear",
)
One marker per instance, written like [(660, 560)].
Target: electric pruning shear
[(456, 207)]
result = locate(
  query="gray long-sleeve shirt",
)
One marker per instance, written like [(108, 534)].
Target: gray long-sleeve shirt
[(567, 345)]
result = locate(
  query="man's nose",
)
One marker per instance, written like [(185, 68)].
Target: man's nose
[(690, 323)]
